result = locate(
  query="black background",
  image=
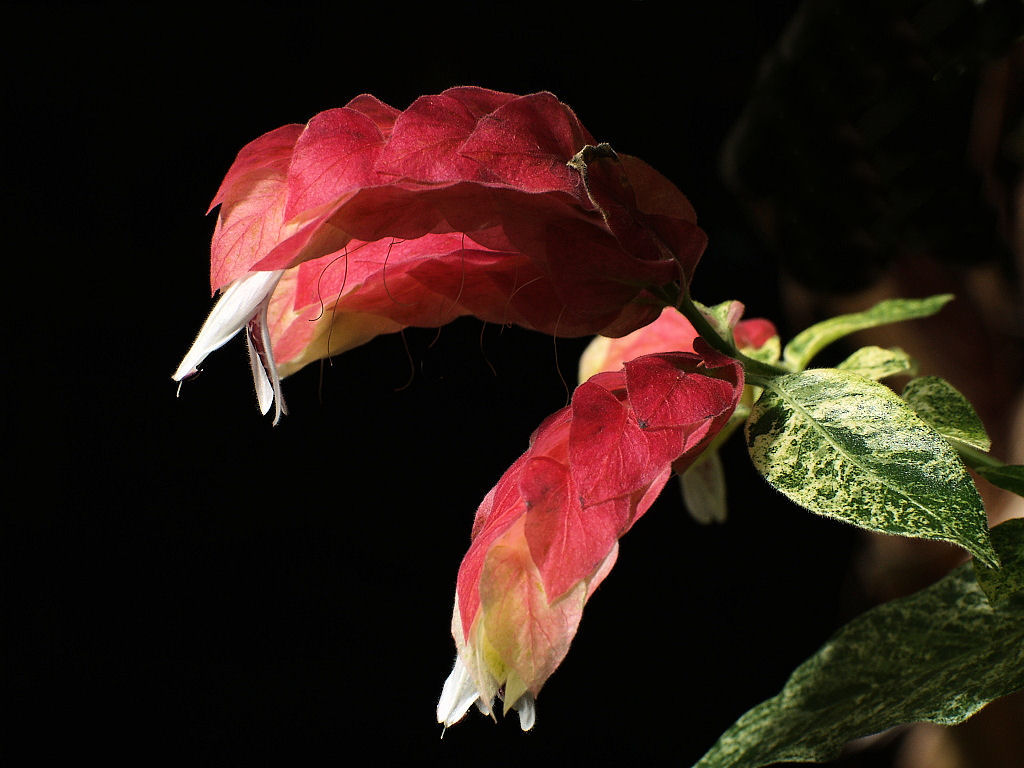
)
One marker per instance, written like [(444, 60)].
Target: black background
[(192, 584)]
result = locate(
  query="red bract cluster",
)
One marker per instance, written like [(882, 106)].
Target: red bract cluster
[(469, 202), (547, 533), (505, 173)]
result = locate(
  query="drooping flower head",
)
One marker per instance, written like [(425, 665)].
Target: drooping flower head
[(367, 220), (546, 535)]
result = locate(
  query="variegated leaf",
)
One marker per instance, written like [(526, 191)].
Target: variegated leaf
[(936, 656), (1008, 579), (805, 345), (947, 411), (878, 363), (847, 447), (769, 352)]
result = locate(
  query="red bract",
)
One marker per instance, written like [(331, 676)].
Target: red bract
[(468, 202), (510, 169), (547, 533), (754, 333)]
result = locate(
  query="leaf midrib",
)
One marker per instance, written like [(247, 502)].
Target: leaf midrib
[(815, 424)]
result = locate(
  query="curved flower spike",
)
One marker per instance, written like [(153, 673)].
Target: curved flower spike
[(546, 535), (469, 202)]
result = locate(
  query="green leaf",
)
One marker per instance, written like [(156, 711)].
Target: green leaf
[(1009, 477), (878, 363), (769, 352), (947, 411), (936, 656), (722, 317), (847, 447), (806, 344), (703, 486), (1008, 579)]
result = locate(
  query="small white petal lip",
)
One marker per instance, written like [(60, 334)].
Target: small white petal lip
[(460, 693), (457, 696), (232, 312), (244, 303), (527, 709)]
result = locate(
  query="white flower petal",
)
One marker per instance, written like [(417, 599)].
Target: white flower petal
[(264, 389), (527, 709), (262, 364), (457, 696), (233, 310)]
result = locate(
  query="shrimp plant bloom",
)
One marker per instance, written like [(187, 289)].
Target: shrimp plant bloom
[(367, 220), (547, 534), (470, 202)]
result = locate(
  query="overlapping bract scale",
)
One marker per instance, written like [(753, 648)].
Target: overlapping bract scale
[(468, 202), (550, 526)]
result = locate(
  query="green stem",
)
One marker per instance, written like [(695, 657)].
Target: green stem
[(759, 380), (727, 348)]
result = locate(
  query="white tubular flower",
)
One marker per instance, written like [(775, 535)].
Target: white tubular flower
[(243, 304), (459, 694), (527, 709)]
